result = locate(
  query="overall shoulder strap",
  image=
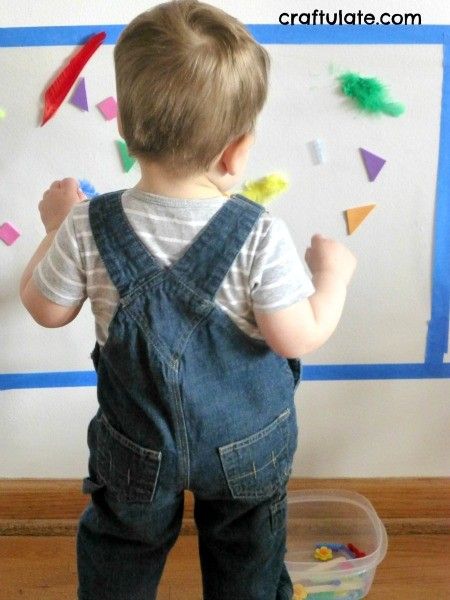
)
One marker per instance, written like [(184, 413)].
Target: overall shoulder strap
[(126, 259), (209, 258)]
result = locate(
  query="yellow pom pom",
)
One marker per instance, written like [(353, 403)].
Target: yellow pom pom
[(300, 592), (2, 114), (264, 189)]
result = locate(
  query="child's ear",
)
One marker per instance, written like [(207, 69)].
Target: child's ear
[(235, 153)]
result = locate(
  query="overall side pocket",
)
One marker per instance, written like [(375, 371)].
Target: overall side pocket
[(295, 369), (129, 471), (259, 465)]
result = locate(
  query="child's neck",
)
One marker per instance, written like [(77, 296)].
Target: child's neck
[(155, 181)]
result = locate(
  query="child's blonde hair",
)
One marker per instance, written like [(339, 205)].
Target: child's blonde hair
[(190, 79)]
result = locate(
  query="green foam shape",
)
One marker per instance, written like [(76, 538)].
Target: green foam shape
[(127, 160), (370, 94)]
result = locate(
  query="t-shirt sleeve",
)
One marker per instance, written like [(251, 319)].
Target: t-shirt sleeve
[(60, 275), (278, 278)]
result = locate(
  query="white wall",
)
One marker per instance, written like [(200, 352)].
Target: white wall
[(64, 12), (355, 429)]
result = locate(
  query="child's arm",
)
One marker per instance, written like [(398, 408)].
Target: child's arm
[(306, 325), (54, 207)]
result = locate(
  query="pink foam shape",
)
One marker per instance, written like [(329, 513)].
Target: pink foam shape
[(108, 108), (8, 233)]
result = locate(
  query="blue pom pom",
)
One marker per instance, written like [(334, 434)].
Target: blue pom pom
[(87, 188)]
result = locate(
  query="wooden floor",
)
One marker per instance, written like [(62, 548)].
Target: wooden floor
[(417, 567)]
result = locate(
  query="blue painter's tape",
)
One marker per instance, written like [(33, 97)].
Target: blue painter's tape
[(12, 37), (375, 372), (72, 35), (25, 381), (63, 379), (437, 339), (348, 34)]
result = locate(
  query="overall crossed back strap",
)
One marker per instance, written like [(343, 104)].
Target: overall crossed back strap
[(202, 267)]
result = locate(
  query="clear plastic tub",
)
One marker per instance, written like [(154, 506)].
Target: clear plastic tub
[(320, 517)]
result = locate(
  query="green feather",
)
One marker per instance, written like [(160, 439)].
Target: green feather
[(370, 94)]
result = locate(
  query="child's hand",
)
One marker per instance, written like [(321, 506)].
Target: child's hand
[(58, 201), (326, 255)]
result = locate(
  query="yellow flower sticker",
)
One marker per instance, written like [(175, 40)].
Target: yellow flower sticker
[(323, 553)]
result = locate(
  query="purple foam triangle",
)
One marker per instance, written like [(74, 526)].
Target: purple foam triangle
[(79, 97), (373, 163)]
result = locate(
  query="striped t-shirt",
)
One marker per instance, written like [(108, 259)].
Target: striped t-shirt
[(266, 275)]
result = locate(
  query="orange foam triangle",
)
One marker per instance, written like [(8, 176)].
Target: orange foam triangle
[(355, 216)]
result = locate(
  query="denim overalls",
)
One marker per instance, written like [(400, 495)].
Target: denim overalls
[(187, 401)]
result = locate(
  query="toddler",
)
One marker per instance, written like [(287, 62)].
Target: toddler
[(202, 310)]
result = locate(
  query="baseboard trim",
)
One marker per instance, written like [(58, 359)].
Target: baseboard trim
[(38, 507), (68, 527)]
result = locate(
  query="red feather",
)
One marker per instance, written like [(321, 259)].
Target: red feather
[(58, 90)]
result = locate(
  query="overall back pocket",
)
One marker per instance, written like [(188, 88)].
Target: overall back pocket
[(129, 471), (259, 465)]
